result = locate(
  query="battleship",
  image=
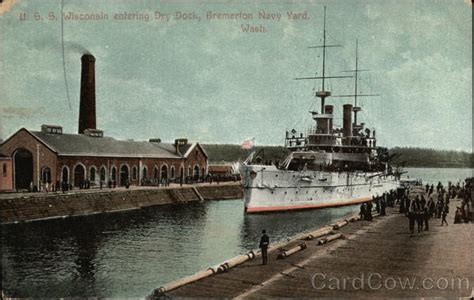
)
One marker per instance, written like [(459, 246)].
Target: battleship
[(327, 165)]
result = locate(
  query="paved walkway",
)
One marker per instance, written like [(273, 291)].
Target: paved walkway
[(376, 259)]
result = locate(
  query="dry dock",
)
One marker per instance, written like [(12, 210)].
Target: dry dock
[(374, 259), (26, 207)]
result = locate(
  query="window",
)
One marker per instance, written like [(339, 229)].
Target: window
[(134, 173), (144, 172), (92, 174), (155, 173), (4, 170), (114, 174), (172, 172), (102, 174)]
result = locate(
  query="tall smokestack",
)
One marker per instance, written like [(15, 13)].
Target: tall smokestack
[(347, 120), (87, 104)]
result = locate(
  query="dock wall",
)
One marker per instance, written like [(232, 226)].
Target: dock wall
[(52, 206)]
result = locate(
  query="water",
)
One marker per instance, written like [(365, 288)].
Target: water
[(129, 254), (443, 175)]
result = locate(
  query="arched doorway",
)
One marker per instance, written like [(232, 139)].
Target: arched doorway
[(79, 175), (164, 172), (102, 174), (124, 175), (113, 176), (46, 175), (23, 160), (196, 172), (156, 175), (172, 175), (181, 175), (65, 175)]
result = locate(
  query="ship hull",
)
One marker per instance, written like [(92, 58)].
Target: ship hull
[(268, 189)]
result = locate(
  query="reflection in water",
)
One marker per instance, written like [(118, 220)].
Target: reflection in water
[(129, 254), (86, 256), (281, 225)]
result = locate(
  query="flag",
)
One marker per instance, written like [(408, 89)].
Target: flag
[(248, 144)]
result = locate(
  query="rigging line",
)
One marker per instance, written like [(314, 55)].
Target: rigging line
[(62, 50)]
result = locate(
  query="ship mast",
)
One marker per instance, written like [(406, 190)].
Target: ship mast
[(355, 85), (323, 93), (356, 71)]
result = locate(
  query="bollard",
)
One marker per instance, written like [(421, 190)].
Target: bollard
[(183, 281), (235, 261), (340, 224), (318, 233), (329, 238), (292, 251)]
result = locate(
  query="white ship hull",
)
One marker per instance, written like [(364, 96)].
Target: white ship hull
[(268, 189)]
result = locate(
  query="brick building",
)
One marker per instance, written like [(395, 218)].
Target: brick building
[(53, 157), (6, 182), (33, 158)]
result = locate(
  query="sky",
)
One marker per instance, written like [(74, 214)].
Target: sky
[(211, 82)]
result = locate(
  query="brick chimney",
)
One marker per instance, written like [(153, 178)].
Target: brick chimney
[(178, 143), (87, 102)]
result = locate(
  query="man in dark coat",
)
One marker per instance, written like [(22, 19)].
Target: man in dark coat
[(264, 242)]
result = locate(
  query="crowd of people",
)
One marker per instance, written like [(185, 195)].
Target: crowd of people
[(425, 206)]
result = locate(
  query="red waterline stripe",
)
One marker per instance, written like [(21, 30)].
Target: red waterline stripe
[(303, 206)]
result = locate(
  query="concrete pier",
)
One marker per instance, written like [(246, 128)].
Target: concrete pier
[(374, 259), (26, 207)]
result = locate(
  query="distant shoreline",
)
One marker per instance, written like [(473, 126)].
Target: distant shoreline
[(406, 157)]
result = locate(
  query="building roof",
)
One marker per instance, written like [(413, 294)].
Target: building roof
[(83, 145)]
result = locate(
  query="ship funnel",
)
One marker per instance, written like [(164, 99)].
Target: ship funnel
[(87, 101), (347, 120)]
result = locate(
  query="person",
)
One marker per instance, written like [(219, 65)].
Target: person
[(419, 214), (422, 202), (402, 206), (431, 208), (362, 211), (368, 211), (264, 242), (382, 207), (377, 203), (411, 217), (439, 208), (458, 216), (444, 214), (426, 217)]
